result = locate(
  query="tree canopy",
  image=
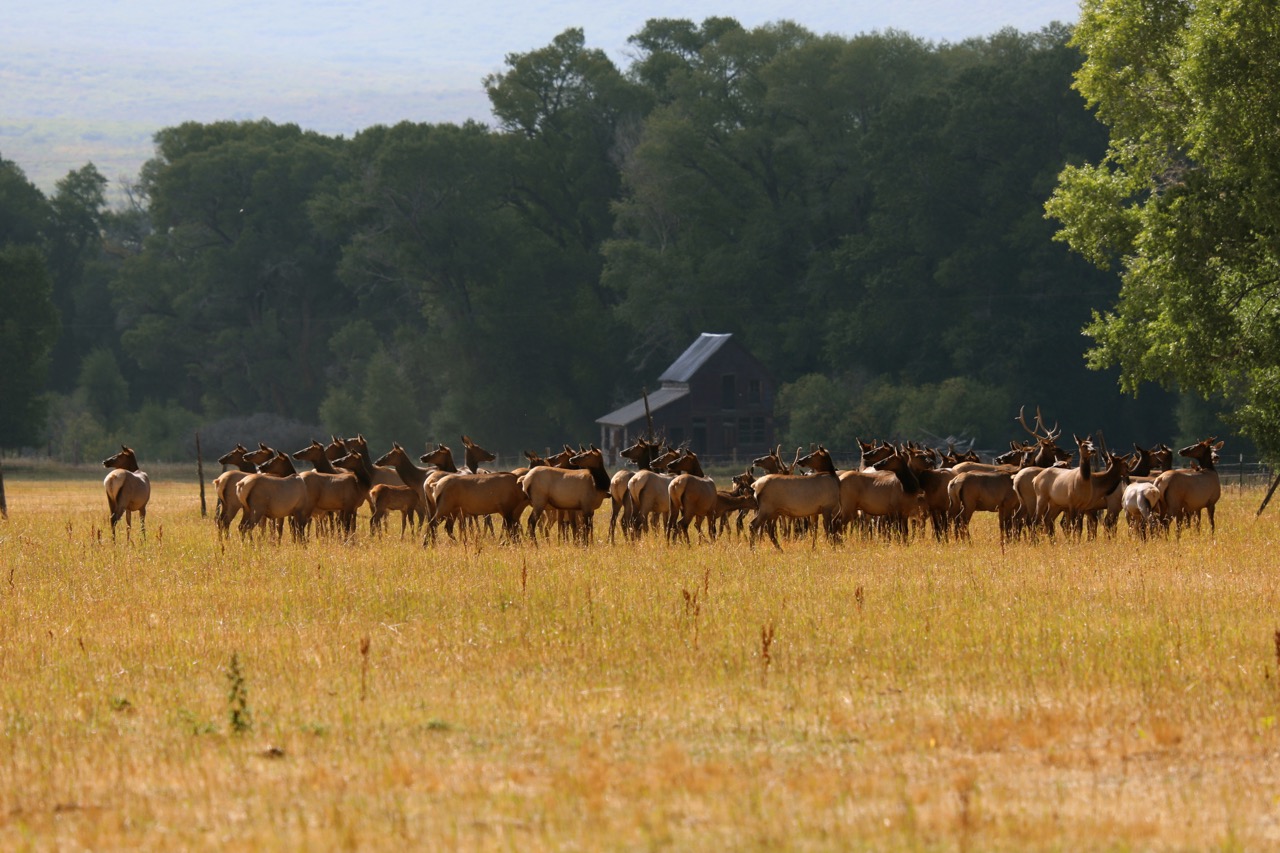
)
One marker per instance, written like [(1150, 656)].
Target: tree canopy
[(1183, 202), (866, 214)]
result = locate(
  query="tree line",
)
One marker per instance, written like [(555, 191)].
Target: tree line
[(865, 213)]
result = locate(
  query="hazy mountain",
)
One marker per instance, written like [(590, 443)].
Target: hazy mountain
[(91, 82)]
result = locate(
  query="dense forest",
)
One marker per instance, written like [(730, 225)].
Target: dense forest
[(866, 214)]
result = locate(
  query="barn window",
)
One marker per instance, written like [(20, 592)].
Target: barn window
[(728, 391), (699, 435), (753, 390)]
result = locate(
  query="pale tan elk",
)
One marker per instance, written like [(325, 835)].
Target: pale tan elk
[(643, 452), (1074, 491), (580, 490), (693, 497), (983, 491), (796, 496), (128, 491), (276, 493), (330, 491), (1187, 491), (228, 506), (1142, 504)]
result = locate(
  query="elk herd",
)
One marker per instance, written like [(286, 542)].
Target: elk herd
[(1036, 489)]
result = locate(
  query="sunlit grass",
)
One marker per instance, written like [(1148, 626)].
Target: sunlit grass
[(1073, 695)]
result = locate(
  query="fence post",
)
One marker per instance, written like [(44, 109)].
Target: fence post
[(1267, 499), (4, 507), (204, 511)]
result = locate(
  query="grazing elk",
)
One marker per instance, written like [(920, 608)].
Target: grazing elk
[(795, 496), (581, 489), (228, 506), (128, 491), (1186, 491)]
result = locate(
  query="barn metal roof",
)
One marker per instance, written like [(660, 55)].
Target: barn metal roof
[(692, 359), (633, 412)]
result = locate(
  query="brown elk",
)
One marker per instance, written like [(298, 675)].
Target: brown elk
[(228, 506), (463, 496), (693, 497), (1186, 491), (389, 499), (275, 493), (983, 491), (739, 499), (410, 475), (474, 456), (128, 491), (382, 475), (796, 496), (330, 491), (580, 490), (650, 498), (890, 492)]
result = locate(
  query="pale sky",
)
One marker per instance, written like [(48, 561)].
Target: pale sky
[(83, 82)]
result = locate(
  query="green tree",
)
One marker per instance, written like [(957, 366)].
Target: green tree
[(1183, 202), (28, 328), (229, 304)]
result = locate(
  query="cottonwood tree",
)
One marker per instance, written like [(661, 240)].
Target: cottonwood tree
[(1184, 201)]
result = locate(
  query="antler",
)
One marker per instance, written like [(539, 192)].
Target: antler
[(1022, 419)]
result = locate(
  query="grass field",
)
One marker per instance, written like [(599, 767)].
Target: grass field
[(1108, 694)]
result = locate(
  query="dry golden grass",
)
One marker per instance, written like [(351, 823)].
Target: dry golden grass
[(1108, 694)]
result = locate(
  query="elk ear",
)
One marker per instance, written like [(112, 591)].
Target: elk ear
[(1218, 446)]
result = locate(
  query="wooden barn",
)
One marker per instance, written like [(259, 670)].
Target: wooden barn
[(716, 396)]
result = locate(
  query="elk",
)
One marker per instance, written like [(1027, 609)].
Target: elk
[(650, 500), (382, 475), (410, 475), (738, 499), (794, 496), (983, 491), (128, 491), (224, 487), (891, 492), (693, 497), (1142, 502), (474, 456), (581, 489), (330, 490), (642, 453), (462, 496), (388, 499), (276, 493), (1075, 491), (1186, 491)]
